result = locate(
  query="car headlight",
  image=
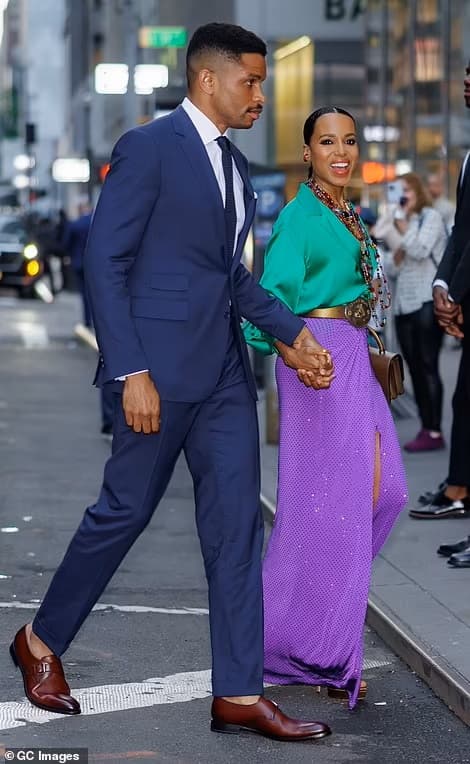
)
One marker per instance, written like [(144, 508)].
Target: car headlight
[(30, 251), (33, 268)]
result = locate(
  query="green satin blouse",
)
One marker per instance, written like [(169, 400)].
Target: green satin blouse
[(312, 261)]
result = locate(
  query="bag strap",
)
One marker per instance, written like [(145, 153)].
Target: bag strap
[(378, 339)]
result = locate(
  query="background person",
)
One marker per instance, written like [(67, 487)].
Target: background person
[(451, 292), (445, 208), (415, 237)]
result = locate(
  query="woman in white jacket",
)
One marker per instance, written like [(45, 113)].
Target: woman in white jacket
[(415, 237)]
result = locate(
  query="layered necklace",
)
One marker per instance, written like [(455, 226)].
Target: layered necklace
[(370, 261)]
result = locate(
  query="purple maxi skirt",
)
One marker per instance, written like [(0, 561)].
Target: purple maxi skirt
[(317, 567)]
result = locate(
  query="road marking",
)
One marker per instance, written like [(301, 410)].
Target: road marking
[(175, 688), (119, 608)]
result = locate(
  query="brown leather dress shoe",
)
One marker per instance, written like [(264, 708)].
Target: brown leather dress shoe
[(44, 681), (265, 718)]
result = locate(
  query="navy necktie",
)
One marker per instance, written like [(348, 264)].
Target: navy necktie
[(230, 209)]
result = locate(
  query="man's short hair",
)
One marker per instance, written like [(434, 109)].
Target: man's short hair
[(227, 40)]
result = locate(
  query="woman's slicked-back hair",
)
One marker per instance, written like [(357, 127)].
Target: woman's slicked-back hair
[(228, 40), (311, 120)]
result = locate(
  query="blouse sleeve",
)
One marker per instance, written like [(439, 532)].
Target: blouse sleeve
[(283, 277)]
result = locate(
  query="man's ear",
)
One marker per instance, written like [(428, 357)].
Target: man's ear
[(206, 78)]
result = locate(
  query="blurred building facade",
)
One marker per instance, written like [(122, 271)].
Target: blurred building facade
[(416, 55), (396, 64), (31, 87), (305, 68)]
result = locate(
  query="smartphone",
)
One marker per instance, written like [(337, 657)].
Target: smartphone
[(395, 192)]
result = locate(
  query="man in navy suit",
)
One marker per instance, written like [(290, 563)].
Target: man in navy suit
[(168, 292)]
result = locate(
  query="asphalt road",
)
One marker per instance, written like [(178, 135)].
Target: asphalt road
[(149, 654)]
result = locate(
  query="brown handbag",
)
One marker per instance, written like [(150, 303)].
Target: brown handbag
[(387, 367)]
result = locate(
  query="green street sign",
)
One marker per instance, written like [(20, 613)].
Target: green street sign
[(163, 37)]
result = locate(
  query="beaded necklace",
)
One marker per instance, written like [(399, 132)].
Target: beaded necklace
[(370, 261)]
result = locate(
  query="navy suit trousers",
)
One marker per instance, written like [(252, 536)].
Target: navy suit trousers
[(219, 437)]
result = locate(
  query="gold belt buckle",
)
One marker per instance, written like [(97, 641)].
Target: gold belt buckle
[(358, 312)]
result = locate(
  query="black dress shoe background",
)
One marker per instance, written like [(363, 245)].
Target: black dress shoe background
[(446, 550), (428, 497), (461, 560), (441, 508)]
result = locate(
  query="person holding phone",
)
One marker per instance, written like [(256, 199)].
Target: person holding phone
[(415, 238)]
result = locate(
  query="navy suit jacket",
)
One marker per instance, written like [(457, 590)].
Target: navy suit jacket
[(164, 289), (454, 267)]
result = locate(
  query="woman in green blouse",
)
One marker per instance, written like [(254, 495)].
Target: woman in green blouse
[(341, 481)]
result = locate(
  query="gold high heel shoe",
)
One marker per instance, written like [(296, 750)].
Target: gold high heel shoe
[(339, 694)]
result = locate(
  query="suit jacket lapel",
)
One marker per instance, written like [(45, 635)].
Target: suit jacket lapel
[(196, 155), (462, 183)]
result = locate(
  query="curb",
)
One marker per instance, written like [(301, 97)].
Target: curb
[(450, 686)]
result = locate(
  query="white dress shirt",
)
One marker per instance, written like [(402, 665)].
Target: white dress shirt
[(208, 134)]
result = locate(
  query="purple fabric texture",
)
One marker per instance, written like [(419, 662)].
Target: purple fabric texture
[(317, 567)]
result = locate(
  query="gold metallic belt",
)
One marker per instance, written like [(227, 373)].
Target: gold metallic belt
[(358, 312)]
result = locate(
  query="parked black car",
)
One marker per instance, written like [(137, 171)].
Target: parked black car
[(21, 263)]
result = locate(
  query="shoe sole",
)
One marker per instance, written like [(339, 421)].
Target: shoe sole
[(451, 513), (453, 565), (338, 694), (235, 729), (33, 702)]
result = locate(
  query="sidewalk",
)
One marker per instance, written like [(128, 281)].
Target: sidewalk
[(418, 604)]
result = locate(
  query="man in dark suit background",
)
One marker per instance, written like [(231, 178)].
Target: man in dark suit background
[(451, 292), (74, 241), (168, 292)]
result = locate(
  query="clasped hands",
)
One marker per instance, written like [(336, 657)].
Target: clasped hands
[(311, 361), (448, 313), (141, 401)]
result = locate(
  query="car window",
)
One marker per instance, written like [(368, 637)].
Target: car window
[(11, 226)]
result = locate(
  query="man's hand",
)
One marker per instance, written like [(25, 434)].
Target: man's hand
[(452, 326), (443, 306), (311, 361), (448, 313), (141, 403)]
